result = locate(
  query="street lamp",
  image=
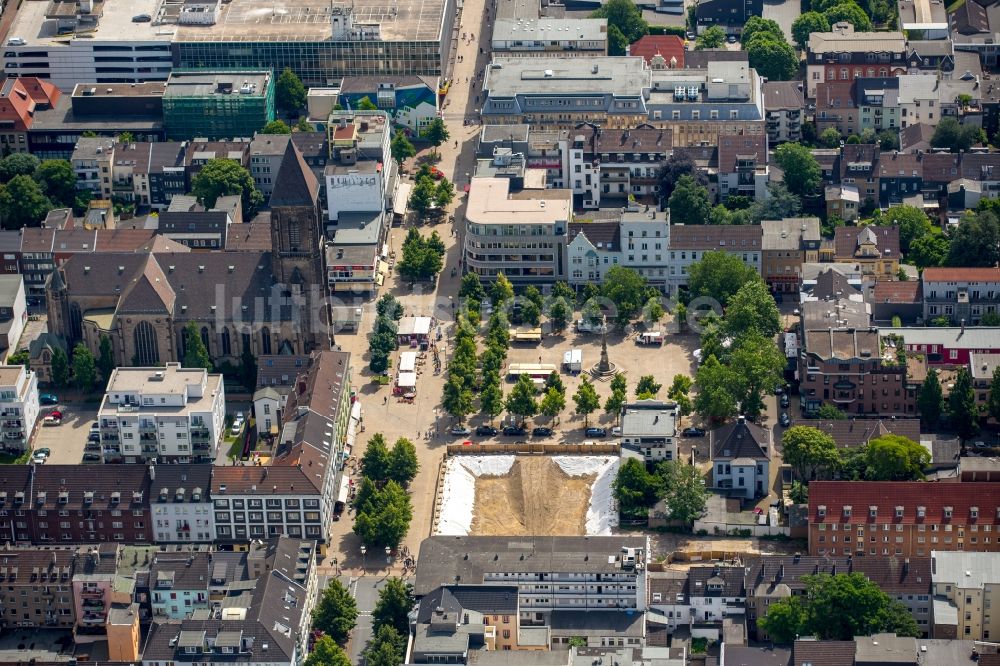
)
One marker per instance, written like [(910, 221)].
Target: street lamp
[(388, 555), (336, 566), (694, 453), (364, 560)]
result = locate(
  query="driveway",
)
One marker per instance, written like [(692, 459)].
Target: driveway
[(784, 12)]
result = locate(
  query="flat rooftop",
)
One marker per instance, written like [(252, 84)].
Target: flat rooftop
[(149, 89), (618, 75), (490, 202), (114, 25), (174, 381), (550, 29), (309, 21), (207, 84)]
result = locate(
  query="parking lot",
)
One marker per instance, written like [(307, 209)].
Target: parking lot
[(66, 440)]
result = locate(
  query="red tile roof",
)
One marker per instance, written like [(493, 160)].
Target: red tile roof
[(668, 46), (20, 97), (894, 291), (887, 495), (961, 275), (845, 241)]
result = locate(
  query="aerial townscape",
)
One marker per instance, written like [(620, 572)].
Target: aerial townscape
[(499, 332)]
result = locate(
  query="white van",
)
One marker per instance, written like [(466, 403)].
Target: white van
[(650, 338), (16, 41)]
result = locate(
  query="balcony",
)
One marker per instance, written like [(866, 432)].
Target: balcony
[(92, 593), (147, 427), (201, 447)]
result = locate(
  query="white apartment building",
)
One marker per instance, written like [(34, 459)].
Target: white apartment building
[(649, 430), (964, 585), (264, 502), (689, 244), (180, 503), (18, 406), (637, 239), (168, 414)]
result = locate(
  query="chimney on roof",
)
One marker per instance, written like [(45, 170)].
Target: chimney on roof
[(962, 323)]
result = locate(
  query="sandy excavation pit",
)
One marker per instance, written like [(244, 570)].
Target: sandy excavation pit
[(536, 498), (508, 495)]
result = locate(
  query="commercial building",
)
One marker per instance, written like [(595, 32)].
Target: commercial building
[(844, 55), (20, 100), (902, 518), (785, 246), (965, 585), (18, 406), (636, 237), (532, 35), (960, 294), (649, 430), (519, 233), (168, 414), (217, 105), (180, 506)]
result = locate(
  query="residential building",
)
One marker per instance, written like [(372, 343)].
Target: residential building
[(190, 223), (18, 407), (844, 55), (741, 458), (179, 583), (729, 14), (452, 620), (264, 502), (123, 632), (20, 99), (743, 166), (593, 248), (879, 100), (40, 351), (900, 177), (100, 581), (592, 574), (892, 298), (649, 430), (836, 106), (13, 311), (706, 594), (843, 202), (874, 249), (217, 105), (888, 648), (266, 153), (905, 518), (960, 294), (785, 245), (36, 590), (532, 222), (858, 167), (410, 100), (919, 100), (525, 36), (784, 104), (168, 414), (950, 345), (689, 243), (182, 510), (276, 375), (982, 367), (964, 585), (603, 166), (92, 161)]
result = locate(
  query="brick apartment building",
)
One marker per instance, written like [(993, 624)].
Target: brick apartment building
[(902, 518)]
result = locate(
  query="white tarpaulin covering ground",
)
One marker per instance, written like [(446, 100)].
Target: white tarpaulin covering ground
[(459, 489), (601, 514)]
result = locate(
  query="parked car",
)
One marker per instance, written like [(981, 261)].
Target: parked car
[(56, 413), (459, 431), (51, 420), (486, 431), (43, 452), (514, 431), (142, 18), (784, 400), (48, 399), (693, 432), (39, 459), (586, 326), (616, 432), (784, 420), (541, 431), (596, 432), (95, 427), (731, 39), (238, 422), (94, 437), (91, 457)]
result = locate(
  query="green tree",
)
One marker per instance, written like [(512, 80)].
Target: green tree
[(444, 193), (634, 489), (84, 368), (387, 648), (843, 606), (553, 402), (436, 133), (521, 399), (615, 402), (327, 653), (713, 38), (530, 314), (784, 621), (335, 613), (689, 202), (759, 27), (830, 137), (365, 104), (929, 250), (58, 180), (60, 368), (388, 306), (673, 168), (679, 392), (556, 382), (930, 399), (806, 24), (502, 290), (993, 402), (22, 202), (195, 354), (652, 311), (591, 312), (471, 287), (913, 223), (586, 399), (375, 461), (224, 177), (617, 42), (719, 275), (422, 196), (975, 242), (850, 12), (962, 408), (105, 358), (716, 399), (395, 601), (810, 451), (888, 140), (773, 57), (626, 17), (752, 310), (780, 204), (302, 125), (422, 258), (801, 170), (758, 366), (627, 289), (954, 136), (559, 313), (383, 517), (647, 387), (491, 401), (17, 164), (683, 490), (403, 463), (895, 458), (289, 93), (457, 399), (276, 127)]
